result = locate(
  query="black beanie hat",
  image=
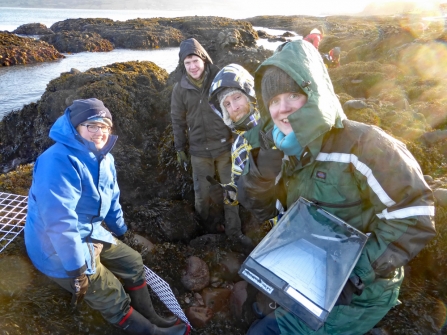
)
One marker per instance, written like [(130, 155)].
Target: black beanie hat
[(89, 109), (275, 81)]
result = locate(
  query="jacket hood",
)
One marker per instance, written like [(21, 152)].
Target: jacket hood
[(63, 132), (191, 46), (234, 76), (302, 62)]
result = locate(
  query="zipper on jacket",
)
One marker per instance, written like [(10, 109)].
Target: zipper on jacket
[(92, 254)]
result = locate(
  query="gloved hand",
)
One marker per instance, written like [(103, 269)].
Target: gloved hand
[(79, 286), (182, 159), (216, 191), (355, 286), (125, 237), (269, 162)]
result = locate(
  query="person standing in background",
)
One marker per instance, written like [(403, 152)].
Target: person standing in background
[(195, 124)]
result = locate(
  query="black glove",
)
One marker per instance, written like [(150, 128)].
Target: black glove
[(183, 159), (216, 191), (355, 286), (124, 237), (79, 286), (269, 162)]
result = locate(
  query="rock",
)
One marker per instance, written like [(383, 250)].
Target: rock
[(228, 38), (440, 195), (216, 298), (199, 316), (15, 50), (428, 179), (355, 104), (435, 136), (288, 34), (199, 299), (237, 299), (144, 242), (207, 240), (33, 29), (196, 275), (75, 41), (228, 266)]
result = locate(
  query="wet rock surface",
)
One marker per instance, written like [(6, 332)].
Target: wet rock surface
[(33, 29), (380, 82), (75, 41), (16, 50)]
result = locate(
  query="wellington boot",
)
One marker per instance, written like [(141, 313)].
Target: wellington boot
[(136, 324), (140, 300)]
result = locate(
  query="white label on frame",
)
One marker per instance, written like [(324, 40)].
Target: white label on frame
[(258, 281)]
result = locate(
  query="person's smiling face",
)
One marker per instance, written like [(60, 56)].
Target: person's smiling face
[(194, 66), (284, 104), (99, 138), (237, 105)]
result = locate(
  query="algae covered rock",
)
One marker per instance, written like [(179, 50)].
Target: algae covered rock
[(75, 41), (15, 50), (33, 29)]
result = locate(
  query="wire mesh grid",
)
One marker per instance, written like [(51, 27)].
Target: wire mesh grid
[(164, 292), (12, 217)]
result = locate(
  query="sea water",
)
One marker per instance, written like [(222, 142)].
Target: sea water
[(23, 84)]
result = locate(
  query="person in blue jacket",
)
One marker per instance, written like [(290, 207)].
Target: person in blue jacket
[(74, 191)]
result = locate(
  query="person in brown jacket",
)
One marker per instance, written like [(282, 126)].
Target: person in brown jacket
[(209, 139)]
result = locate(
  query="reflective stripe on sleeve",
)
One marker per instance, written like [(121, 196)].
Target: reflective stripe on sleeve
[(363, 169), (407, 212)]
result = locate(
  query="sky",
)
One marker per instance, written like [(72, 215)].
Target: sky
[(311, 7)]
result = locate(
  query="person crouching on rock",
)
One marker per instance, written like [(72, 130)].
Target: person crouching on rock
[(352, 170), (74, 190), (315, 36)]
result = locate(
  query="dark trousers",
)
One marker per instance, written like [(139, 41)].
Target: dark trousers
[(206, 166), (105, 292)]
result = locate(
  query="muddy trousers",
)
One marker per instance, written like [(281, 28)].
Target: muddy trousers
[(206, 166), (105, 292)]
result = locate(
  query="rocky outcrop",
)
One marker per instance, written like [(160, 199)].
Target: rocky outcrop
[(33, 29), (157, 194), (16, 50), (159, 32), (75, 41)]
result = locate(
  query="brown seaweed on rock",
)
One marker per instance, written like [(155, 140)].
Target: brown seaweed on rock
[(387, 89)]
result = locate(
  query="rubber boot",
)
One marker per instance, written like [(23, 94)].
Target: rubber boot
[(136, 324), (140, 300)]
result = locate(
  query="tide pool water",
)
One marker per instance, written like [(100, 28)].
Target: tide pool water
[(23, 84)]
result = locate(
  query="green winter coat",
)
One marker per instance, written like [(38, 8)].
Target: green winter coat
[(357, 172)]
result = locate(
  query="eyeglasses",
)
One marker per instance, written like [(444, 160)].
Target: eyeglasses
[(93, 128)]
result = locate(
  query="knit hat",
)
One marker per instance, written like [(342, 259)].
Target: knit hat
[(275, 81), (221, 96), (315, 31), (89, 110)]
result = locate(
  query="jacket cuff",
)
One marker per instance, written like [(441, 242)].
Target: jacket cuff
[(364, 270), (78, 272)]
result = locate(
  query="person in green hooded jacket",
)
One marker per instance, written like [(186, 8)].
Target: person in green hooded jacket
[(355, 171)]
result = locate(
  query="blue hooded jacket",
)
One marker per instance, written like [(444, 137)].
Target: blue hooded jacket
[(74, 190)]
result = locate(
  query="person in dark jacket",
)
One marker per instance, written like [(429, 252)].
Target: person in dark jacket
[(355, 171), (74, 191), (209, 139), (232, 97)]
